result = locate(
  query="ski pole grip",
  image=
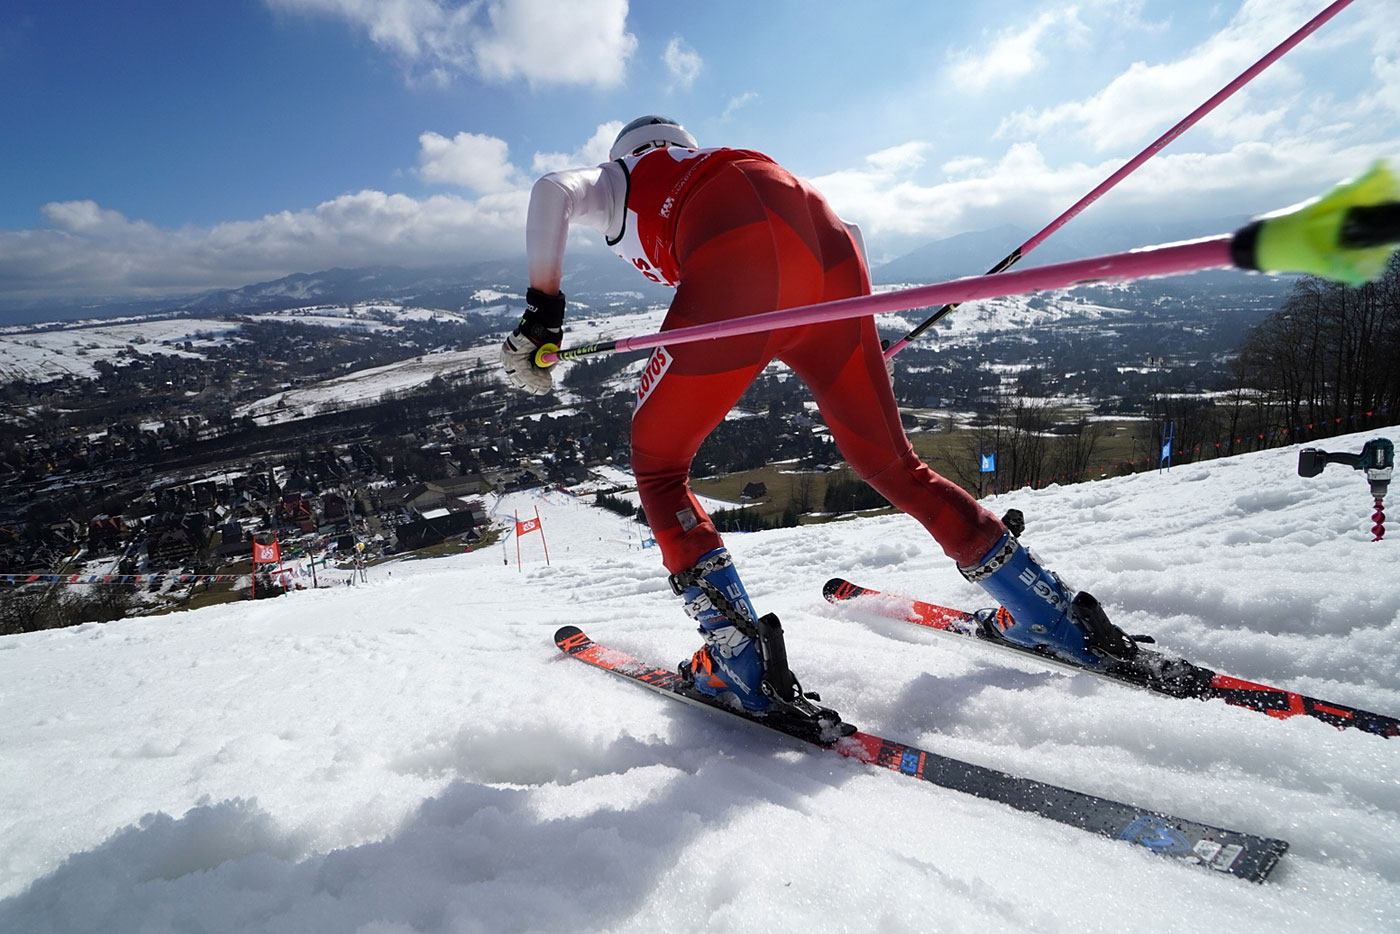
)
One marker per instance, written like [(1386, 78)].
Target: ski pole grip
[(546, 355), (1374, 225)]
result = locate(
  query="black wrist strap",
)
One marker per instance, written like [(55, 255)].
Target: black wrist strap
[(542, 310)]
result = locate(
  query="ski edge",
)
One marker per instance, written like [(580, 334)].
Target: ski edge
[(1243, 855), (1276, 702)]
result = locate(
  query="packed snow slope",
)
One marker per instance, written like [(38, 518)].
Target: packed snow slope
[(413, 754)]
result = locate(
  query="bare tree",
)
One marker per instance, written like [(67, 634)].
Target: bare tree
[(801, 494), (1072, 453), (1328, 354)]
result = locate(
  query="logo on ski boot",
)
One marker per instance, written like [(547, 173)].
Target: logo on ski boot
[(1043, 589)]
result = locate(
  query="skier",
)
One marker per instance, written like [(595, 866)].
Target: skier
[(738, 235)]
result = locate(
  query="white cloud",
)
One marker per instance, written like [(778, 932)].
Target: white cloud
[(413, 29), (1143, 100), (542, 42), (473, 161), (682, 62), (1385, 65), (1014, 53), (736, 103), (963, 165), (1131, 107), (547, 42), (92, 251), (902, 195), (1021, 187), (593, 152), (88, 218), (89, 250), (901, 158)]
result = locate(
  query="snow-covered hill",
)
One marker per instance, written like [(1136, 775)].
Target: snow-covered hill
[(52, 351), (413, 754), (364, 386)]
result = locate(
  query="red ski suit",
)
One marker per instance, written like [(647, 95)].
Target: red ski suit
[(739, 235)]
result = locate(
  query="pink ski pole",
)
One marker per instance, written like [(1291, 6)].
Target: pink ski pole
[(1347, 235), (1186, 123), (1133, 264)]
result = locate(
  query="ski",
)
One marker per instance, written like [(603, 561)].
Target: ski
[(1150, 670), (1229, 852)]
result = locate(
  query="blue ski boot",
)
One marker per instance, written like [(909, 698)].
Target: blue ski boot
[(730, 660), (1040, 612), (745, 655)]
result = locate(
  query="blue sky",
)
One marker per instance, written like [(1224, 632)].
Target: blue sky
[(164, 146)]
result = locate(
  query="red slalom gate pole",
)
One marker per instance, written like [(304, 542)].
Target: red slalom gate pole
[(539, 524)]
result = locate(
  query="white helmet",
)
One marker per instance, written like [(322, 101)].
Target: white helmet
[(652, 130)]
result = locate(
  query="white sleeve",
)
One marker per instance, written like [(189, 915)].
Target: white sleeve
[(860, 242), (593, 197)]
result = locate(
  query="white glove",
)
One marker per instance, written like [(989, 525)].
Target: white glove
[(541, 324), (518, 362)]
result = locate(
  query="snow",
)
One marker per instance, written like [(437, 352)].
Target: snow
[(604, 478), (362, 387), (488, 296), (74, 351), (978, 319), (365, 386), (371, 317), (413, 754), (46, 352)]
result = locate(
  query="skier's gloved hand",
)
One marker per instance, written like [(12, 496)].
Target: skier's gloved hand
[(540, 327)]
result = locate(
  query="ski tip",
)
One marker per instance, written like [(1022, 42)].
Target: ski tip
[(838, 589), (566, 633)]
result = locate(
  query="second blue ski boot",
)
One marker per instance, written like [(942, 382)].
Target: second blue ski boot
[(745, 655), (1040, 612), (731, 659)]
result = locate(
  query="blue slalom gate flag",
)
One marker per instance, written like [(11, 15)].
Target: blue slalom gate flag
[(989, 463)]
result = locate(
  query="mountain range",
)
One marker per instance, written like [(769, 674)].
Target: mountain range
[(594, 273)]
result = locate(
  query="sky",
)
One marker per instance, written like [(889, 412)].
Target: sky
[(159, 146), (413, 754)]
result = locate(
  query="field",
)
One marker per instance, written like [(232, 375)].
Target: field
[(1121, 442)]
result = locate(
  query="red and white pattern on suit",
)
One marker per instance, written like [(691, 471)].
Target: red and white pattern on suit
[(738, 235)]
